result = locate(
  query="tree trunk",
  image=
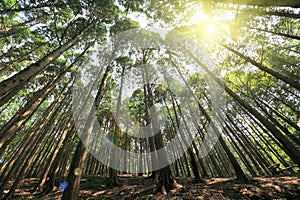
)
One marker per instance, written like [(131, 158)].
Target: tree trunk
[(239, 172), (67, 133), (290, 149), (63, 151), (81, 152), (38, 97), (26, 75), (288, 80), (295, 37)]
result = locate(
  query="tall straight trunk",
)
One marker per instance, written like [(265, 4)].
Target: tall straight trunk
[(239, 151), (26, 153), (126, 147), (28, 157), (266, 155), (180, 162), (63, 151), (88, 167), (195, 168), (201, 160), (5, 29), (187, 167), (262, 105), (67, 132), (11, 32), (211, 167), (8, 132), (141, 167), (189, 150), (284, 78), (226, 165), (37, 99), (91, 160), (255, 11), (7, 98), (26, 75), (112, 179), (194, 164), (295, 37), (81, 151), (263, 138), (176, 169), (289, 148), (20, 58), (238, 170), (216, 169), (154, 156), (9, 169), (287, 104), (166, 182), (250, 146), (74, 180), (12, 126), (42, 155), (284, 118)]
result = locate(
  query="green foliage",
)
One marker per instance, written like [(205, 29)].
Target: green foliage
[(30, 30)]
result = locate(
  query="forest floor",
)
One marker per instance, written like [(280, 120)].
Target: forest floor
[(134, 187)]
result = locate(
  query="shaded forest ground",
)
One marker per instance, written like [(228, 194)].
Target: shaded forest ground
[(133, 187)]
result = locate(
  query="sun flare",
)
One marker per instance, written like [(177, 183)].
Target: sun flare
[(211, 25), (198, 16), (211, 29)]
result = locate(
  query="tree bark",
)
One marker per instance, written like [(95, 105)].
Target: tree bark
[(81, 151), (288, 80), (295, 37), (26, 75), (290, 149)]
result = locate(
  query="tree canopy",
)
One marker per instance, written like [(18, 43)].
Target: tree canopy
[(219, 79)]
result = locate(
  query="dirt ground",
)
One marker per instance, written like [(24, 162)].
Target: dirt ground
[(141, 188)]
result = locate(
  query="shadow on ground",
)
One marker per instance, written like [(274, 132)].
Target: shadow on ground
[(134, 187)]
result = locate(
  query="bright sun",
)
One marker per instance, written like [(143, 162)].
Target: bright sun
[(198, 16), (212, 24)]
